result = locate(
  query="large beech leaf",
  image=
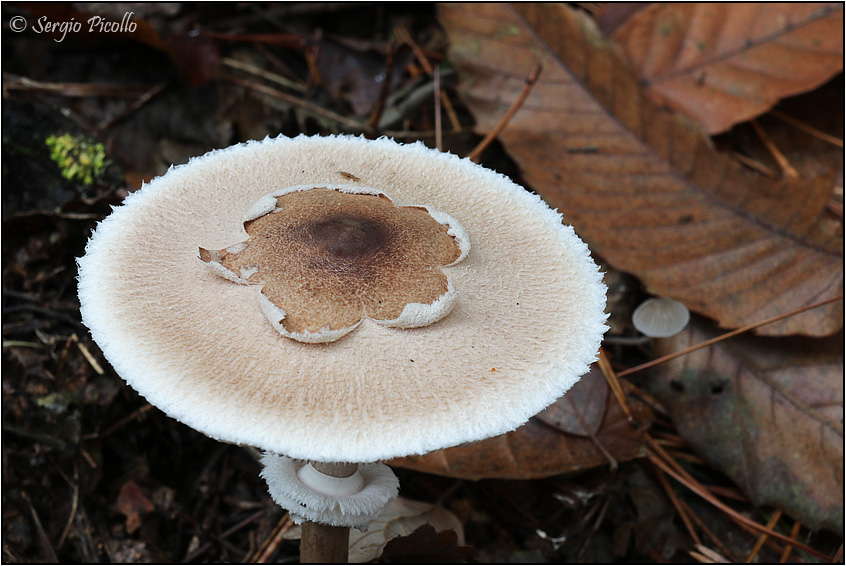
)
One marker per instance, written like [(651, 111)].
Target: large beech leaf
[(723, 63), (643, 184), (540, 449), (401, 518), (766, 411)]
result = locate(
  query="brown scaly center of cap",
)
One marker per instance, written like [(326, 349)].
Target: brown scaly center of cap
[(347, 236), (328, 259)]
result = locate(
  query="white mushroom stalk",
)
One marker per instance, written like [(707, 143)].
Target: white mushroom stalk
[(336, 299)]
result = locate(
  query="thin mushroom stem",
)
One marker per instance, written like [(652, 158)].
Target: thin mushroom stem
[(323, 543)]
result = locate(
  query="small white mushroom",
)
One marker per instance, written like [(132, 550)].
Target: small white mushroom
[(660, 317)]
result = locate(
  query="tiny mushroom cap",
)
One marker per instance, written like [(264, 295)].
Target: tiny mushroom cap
[(336, 299), (660, 317)]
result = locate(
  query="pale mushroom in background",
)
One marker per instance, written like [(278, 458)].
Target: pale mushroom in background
[(494, 310), (660, 317)]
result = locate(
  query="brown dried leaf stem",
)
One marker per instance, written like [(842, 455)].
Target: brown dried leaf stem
[(708, 532), (439, 136), (614, 383), (75, 90), (42, 536), (674, 499), (530, 82), (725, 336), (441, 97), (697, 488), (311, 55), (376, 115), (835, 141), (309, 107), (74, 485), (404, 37), (707, 556), (838, 556), (127, 419), (450, 110), (271, 543), (228, 532), (259, 72), (95, 365), (754, 164), (139, 102), (794, 534), (759, 544), (786, 168)]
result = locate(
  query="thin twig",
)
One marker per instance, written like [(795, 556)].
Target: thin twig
[(74, 503), (439, 136), (45, 541), (291, 40), (311, 54), (835, 141), (91, 359), (707, 556), (838, 556), (74, 90), (674, 499), (530, 83), (754, 164), (309, 107), (139, 102), (705, 529), (259, 72), (228, 532), (794, 534), (759, 544), (281, 66), (786, 168), (614, 383), (376, 115), (725, 336), (404, 37), (734, 515), (271, 543), (448, 108), (129, 418)]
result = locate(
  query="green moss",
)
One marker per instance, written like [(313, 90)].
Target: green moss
[(79, 160)]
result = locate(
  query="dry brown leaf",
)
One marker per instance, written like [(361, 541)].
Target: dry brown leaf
[(643, 185), (426, 546), (580, 411), (400, 518), (132, 503), (723, 63), (768, 412), (537, 449)]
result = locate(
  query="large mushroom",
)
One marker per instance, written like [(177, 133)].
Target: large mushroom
[(337, 302)]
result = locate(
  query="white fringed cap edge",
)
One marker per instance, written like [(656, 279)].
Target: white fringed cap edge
[(309, 495), (527, 321)]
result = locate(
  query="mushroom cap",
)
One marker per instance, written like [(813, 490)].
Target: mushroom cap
[(527, 322), (660, 317)]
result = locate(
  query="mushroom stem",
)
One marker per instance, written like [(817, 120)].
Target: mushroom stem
[(324, 543)]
